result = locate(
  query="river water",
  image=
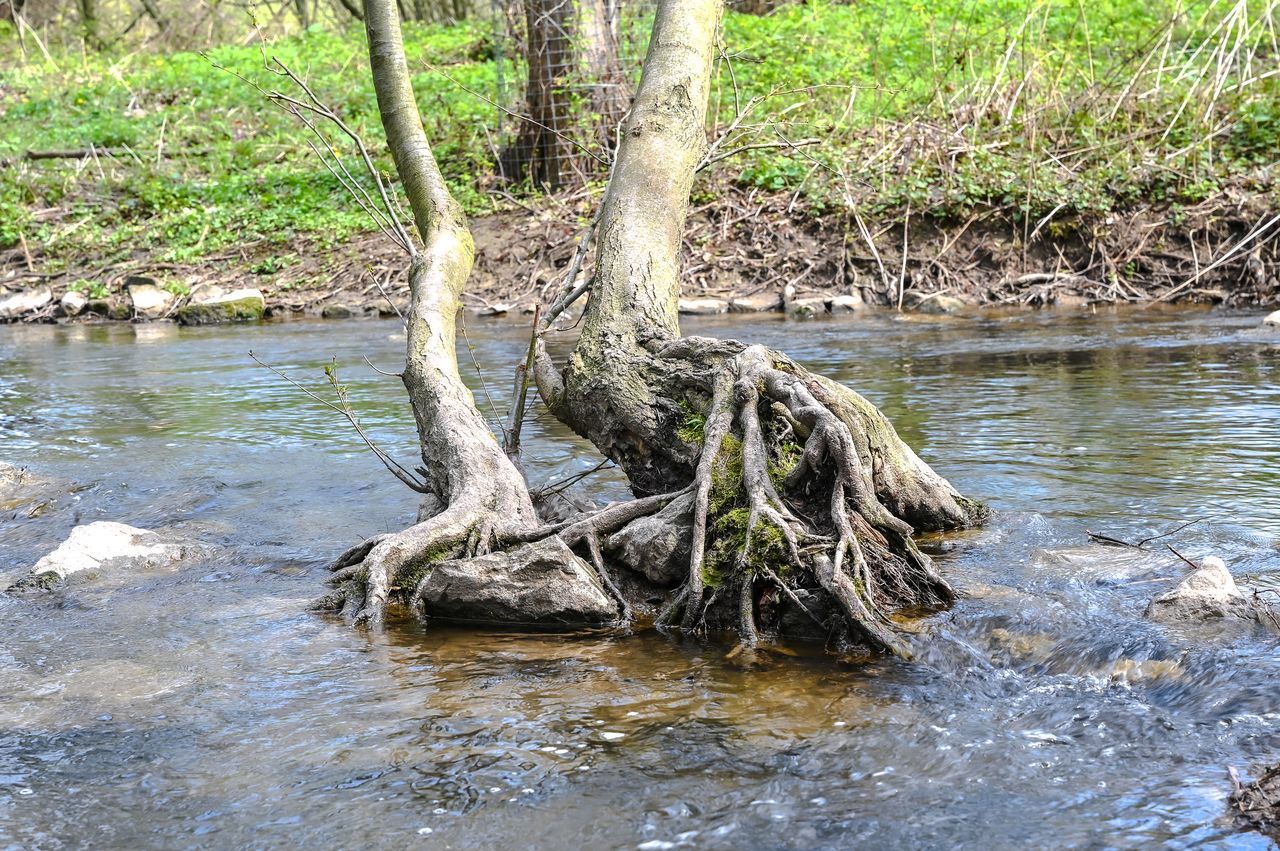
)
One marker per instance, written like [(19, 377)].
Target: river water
[(204, 707)]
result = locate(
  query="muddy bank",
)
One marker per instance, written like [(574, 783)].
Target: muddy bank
[(745, 251)]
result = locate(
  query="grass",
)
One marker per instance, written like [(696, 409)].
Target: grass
[(1051, 113)]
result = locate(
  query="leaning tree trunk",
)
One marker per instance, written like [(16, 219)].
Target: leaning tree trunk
[(796, 488), (541, 150), (798, 482), (477, 490)]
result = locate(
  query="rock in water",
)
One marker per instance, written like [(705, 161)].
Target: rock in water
[(1273, 319), (542, 584), (703, 306), (14, 305), (147, 298), (205, 308), (1208, 594), (657, 546), (73, 303), (103, 544), (759, 303)]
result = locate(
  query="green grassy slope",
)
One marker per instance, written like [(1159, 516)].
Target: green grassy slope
[(1050, 113)]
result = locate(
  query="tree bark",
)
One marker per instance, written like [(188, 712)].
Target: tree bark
[(791, 471), (353, 9), (11, 9), (89, 23), (477, 490), (795, 486), (153, 11)]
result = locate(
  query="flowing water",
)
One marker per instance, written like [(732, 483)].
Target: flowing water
[(204, 707)]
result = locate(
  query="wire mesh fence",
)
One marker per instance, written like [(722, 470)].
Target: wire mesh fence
[(565, 72)]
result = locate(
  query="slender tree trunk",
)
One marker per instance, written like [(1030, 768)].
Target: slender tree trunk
[(541, 150), (11, 9), (89, 23), (153, 11), (303, 9), (477, 489), (353, 8), (782, 458)]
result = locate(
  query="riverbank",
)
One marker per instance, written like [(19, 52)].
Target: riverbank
[(971, 151), (747, 251)]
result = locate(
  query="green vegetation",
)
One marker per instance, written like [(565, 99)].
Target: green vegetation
[(1047, 112)]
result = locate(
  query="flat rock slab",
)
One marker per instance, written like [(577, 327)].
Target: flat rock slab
[(703, 306), (247, 305), (760, 303), (107, 545), (15, 305), (539, 585)]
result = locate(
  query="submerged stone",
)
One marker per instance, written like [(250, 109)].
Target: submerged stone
[(247, 305), (1208, 594), (337, 311), (939, 304), (543, 584), (105, 544)]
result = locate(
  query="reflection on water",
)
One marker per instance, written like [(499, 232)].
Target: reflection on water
[(205, 708)]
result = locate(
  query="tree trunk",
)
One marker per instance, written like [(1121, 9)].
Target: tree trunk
[(153, 11), (791, 487), (477, 490), (303, 9), (11, 9), (791, 472), (89, 23), (352, 8), (541, 151)]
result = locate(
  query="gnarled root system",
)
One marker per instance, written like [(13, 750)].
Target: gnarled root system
[(790, 491)]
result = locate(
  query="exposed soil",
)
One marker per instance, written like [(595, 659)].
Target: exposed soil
[(761, 248)]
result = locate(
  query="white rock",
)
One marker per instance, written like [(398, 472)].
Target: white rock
[(105, 544), (846, 304), (801, 308), (22, 302), (758, 303), (73, 303), (148, 299), (1273, 319), (703, 306), (1207, 594), (499, 309)]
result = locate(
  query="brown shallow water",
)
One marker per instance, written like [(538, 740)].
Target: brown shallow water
[(204, 707)]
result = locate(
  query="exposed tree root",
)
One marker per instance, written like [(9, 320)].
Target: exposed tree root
[(393, 567), (779, 447)]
